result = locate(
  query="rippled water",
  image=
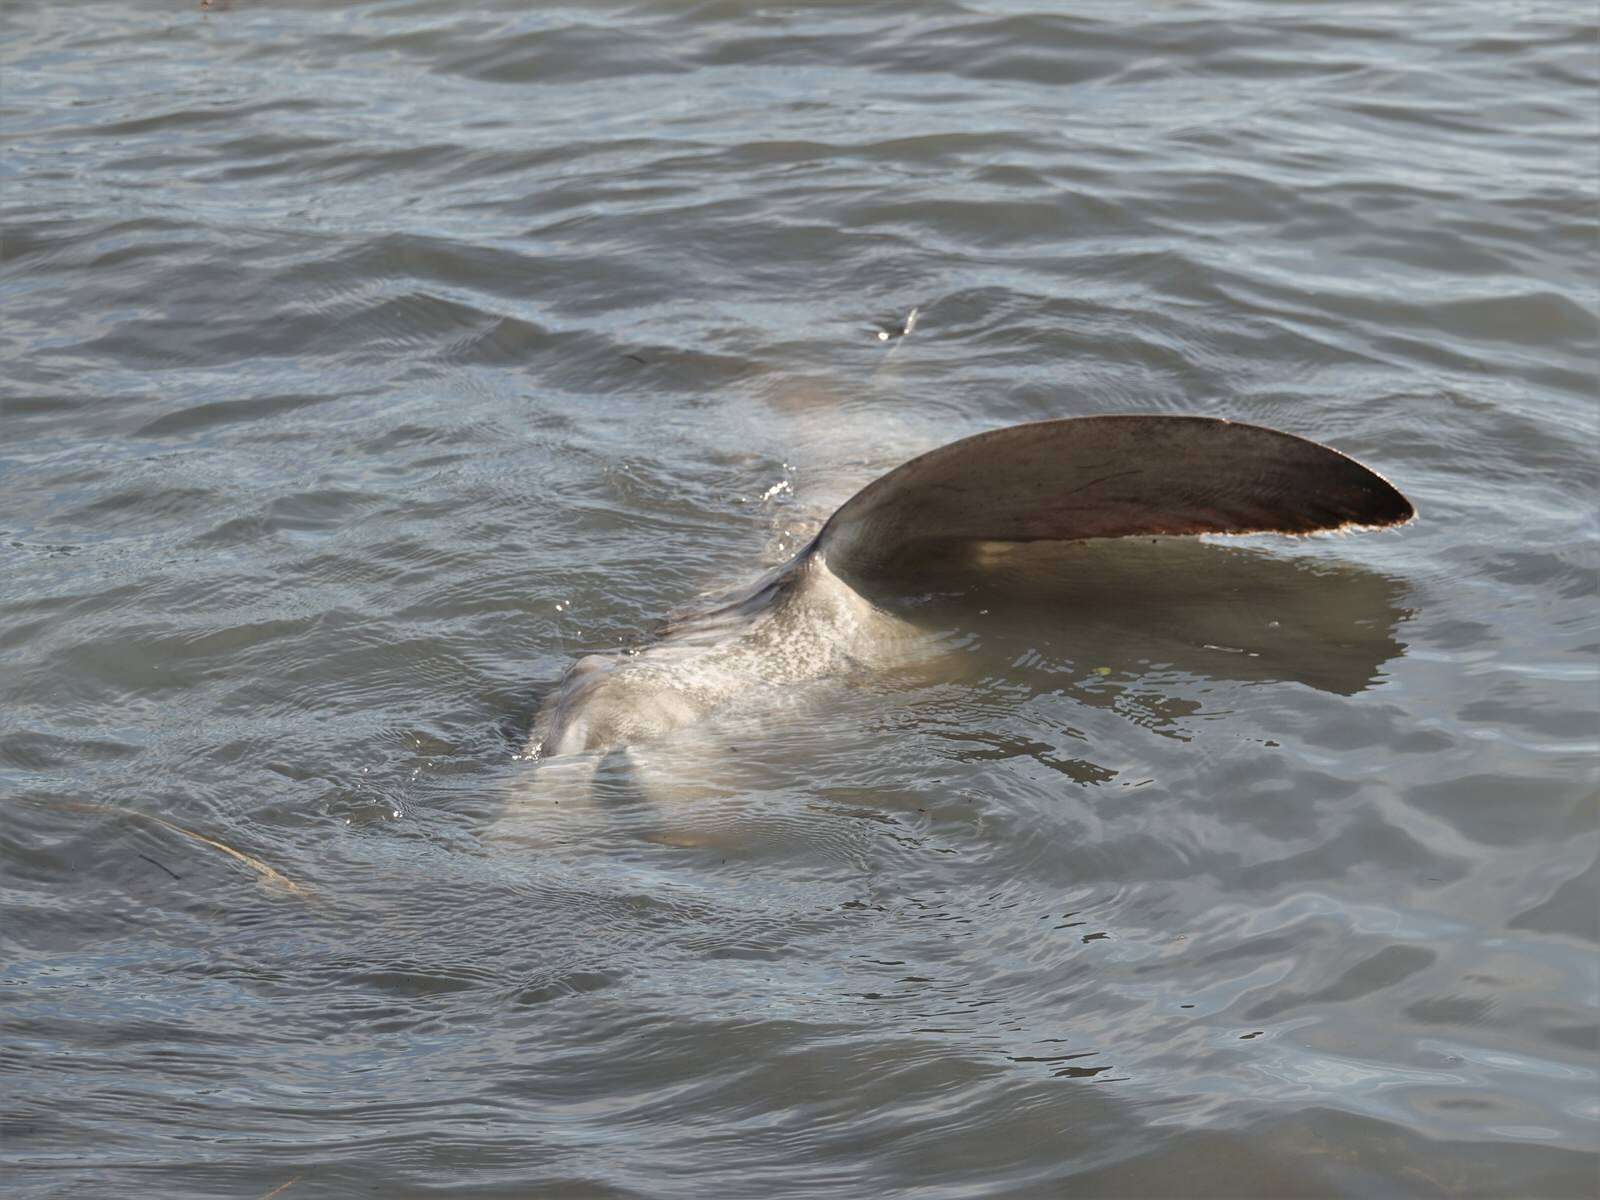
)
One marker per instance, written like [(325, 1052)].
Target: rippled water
[(365, 363)]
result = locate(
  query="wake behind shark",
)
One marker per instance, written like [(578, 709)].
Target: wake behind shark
[(825, 612)]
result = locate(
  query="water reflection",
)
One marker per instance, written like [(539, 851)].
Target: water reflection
[(1107, 620)]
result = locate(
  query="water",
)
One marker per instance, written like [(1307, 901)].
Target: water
[(366, 363)]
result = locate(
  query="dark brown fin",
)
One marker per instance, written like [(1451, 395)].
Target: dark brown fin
[(1104, 477)]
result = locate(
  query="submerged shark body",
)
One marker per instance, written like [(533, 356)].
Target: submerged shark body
[(800, 624), (825, 613)]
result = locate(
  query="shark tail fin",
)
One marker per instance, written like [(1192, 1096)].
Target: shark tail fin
[(1104, 477)]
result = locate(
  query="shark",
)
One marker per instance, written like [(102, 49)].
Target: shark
[(830, 610)]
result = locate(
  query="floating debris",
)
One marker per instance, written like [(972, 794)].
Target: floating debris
[(268, 874), (905, 329)]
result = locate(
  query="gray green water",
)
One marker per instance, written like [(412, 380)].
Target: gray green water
[(365, 363)]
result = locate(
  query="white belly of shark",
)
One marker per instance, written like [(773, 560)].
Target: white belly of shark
[(1065, 480)]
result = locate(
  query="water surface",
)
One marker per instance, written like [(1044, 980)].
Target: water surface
[(366, 363)]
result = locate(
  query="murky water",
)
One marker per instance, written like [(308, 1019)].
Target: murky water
[(366, 363)]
